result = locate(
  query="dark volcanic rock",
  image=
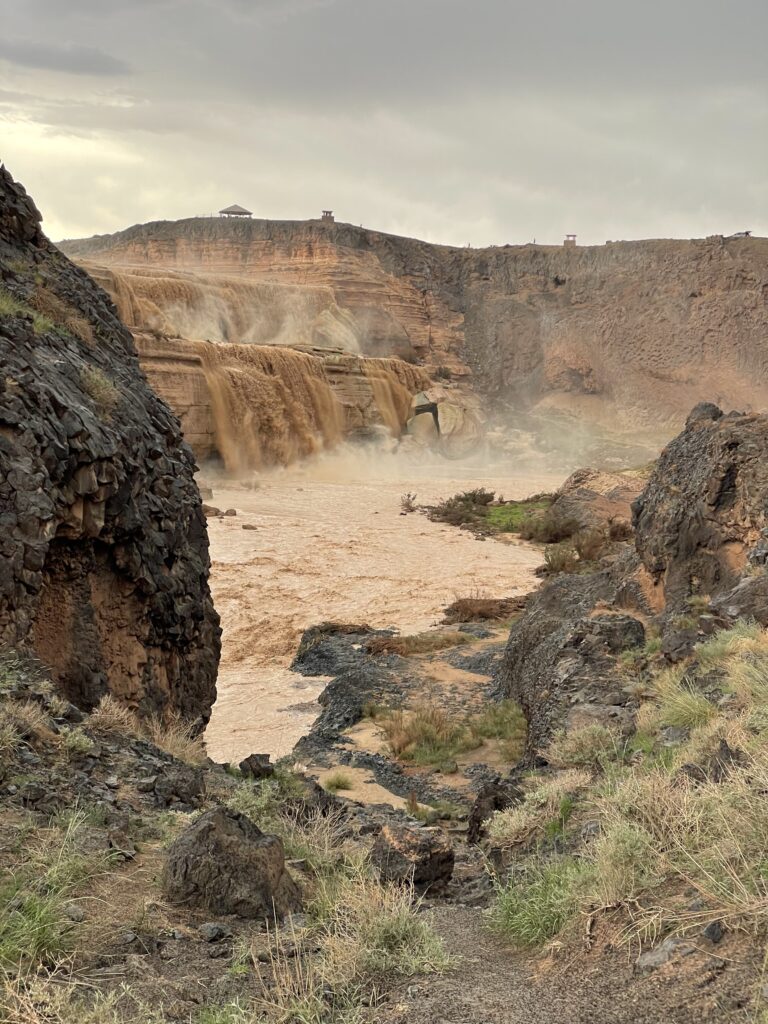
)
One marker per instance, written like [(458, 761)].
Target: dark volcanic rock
[(561, 659), (423, 856), (706, 504), (496, 795), (225, 864), (257, 766), (103, 548)]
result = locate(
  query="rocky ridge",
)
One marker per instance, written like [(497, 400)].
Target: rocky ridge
[(104, 548)]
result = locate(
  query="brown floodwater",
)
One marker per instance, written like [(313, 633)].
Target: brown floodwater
[(330, 543)]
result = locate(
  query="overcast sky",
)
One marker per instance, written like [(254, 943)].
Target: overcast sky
[(458, 121)]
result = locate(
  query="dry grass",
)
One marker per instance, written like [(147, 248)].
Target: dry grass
[(101, 389), (62, 314), (111, 718), (483, 609), (176, 737), (590, 747), (428, 735), (540, 805), (679, 702), (418, 643), (337, 781)]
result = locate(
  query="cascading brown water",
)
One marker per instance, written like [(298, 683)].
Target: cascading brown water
[(393, 383), (271, 405)]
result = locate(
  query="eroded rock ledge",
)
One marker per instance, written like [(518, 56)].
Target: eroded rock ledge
[(103, 549)]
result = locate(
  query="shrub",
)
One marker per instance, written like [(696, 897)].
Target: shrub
[(536, 903), (549, 527), (589, 544), (336, 781), (512, 516), (593, 746), (427, 735), (560, 558), (408, 502)]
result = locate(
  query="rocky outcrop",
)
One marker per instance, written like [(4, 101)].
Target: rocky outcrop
[(225, 864), (625, 335), (704, 513), (103, 547), (700, 542)]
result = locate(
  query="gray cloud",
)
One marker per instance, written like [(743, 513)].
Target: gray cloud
[(494, 121), (69, 57)]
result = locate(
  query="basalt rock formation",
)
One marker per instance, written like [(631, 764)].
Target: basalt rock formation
[(630, 334), (103, 547), (695, 563)]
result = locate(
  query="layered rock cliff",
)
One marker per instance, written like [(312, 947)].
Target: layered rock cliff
[(103, 547), (628, 335)]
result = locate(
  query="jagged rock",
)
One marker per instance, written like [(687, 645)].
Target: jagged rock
[(225, 864), (179, 787), (706, 504), (257, 766), (747, 600), (561, 660), (423, 856), (103, 550), (669, 949)]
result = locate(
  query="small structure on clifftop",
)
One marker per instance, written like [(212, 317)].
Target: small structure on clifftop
[(235, 211), (328, 216), (570, 240)]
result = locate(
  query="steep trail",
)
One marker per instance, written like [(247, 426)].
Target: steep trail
[(330, 544)]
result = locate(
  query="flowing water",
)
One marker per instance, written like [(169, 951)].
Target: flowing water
[(330, 544)]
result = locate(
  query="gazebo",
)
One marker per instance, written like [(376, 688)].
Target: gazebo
[(235, 211)]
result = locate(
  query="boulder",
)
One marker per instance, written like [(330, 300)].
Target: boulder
[(496, 795), (257, 766), (403, 853), (224, 864), (705, 507)]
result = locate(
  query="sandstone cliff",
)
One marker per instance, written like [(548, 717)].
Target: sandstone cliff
[(103, 547), (628, 335)]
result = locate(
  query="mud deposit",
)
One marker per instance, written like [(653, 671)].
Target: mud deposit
[(330, 543)]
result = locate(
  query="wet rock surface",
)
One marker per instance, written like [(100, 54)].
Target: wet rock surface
[(103, 548)]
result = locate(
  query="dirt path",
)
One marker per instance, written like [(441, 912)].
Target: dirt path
[(493, 985), (328, 542)]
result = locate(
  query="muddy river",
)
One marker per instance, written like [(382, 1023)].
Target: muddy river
[(327, 541)]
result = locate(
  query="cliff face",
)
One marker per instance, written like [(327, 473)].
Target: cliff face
[(630, 334), (103, 547)]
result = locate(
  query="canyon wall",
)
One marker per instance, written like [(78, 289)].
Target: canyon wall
[(628, 335), (103, 546)]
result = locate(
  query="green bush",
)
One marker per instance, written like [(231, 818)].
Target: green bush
[(536, 903)]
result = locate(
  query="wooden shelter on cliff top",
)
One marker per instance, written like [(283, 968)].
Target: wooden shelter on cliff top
[(235, 211)]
